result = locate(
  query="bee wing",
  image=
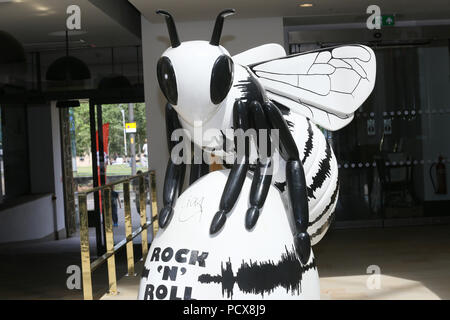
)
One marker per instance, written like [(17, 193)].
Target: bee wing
[(327, 85), (258, 54)]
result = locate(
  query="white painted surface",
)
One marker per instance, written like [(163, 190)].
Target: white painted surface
[(259, 54), (269, 244), (314, 85), (28, 221), (238, 35)]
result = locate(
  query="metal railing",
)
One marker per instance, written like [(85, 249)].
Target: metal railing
[(89, 267)]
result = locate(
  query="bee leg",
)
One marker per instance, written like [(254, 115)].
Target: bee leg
[(296, 184), (238, 172), (263, 173), (173, 180), (258, 192), (295, 180)]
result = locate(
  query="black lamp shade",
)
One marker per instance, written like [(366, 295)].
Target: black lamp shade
[(114, 82), (11, 51), (68, 104), (68, 68)]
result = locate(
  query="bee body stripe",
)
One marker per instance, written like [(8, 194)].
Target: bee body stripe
[(321, 173)]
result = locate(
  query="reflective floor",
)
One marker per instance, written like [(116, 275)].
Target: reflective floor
[(414, 263), (38, 269)]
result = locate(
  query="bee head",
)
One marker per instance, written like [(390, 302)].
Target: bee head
[(195, 76)]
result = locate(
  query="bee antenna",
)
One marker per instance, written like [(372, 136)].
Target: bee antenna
[(215, 39), (174, 40)]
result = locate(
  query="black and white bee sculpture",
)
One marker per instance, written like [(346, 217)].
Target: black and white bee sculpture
[(262, 88)]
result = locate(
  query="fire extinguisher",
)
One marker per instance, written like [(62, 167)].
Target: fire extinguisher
[(441, 178)]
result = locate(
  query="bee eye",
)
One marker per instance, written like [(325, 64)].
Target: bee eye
[(221, 78), (166, 79)]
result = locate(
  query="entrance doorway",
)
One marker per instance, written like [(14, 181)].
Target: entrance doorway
[(110, 144)]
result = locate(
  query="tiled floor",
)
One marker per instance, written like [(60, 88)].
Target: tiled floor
[(414, 263)]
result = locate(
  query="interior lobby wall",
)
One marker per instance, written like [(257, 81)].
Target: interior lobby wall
[(37, 214)]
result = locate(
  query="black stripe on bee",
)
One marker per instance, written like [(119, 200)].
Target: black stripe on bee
[(329, 205), (324, 226), (323, 173), (250, 90), (285, 111), (309, 143), (280, 186)]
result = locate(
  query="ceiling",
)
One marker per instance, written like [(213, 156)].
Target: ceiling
[(207, 9), (34, 23)]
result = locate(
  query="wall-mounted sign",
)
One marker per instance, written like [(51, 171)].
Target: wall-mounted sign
[(387, 20), (130, 127), (387, 126)]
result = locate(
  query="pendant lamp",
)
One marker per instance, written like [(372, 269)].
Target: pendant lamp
[(67, 68), (113, 80)]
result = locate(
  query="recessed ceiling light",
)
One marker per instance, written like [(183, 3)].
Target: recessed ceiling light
[(305, 5), (41, 8)]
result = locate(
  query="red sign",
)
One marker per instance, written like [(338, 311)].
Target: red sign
[(105, 137), (105, 129)]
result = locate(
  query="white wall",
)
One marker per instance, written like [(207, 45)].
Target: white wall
[(238, 35), (27, 221), (38, 215)]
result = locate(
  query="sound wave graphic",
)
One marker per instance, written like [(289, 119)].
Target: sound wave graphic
[(262, 277)]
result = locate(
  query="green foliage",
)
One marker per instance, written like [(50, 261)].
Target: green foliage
[(111, 114), (82, 131), (141, 124)]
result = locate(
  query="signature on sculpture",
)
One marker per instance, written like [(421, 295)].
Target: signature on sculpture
[(194, 208)]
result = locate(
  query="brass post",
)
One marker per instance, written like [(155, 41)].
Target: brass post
[(142, 207), (154, 203), (128, 228), (110, 242), (84, 244)]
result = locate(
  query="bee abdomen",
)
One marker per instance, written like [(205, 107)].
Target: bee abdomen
[(322, 184), (321, 171)]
